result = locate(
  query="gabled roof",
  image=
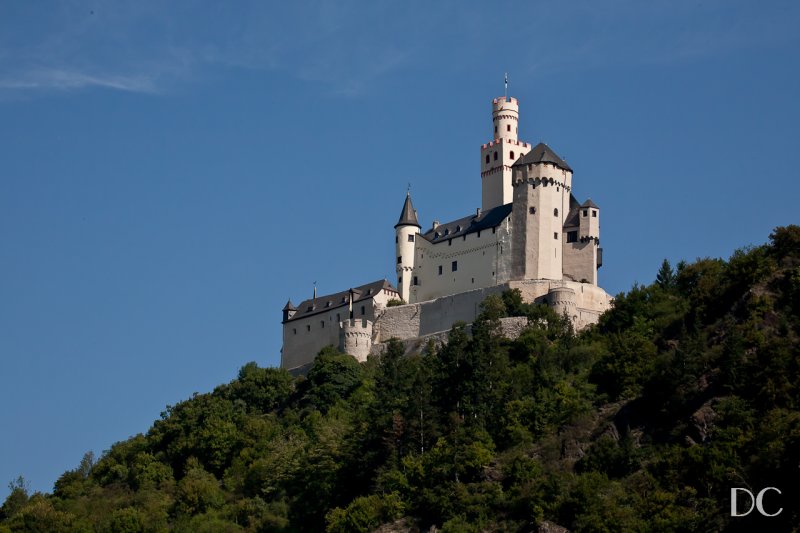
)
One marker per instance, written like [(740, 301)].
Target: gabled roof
[(340, 299), (289, 306), (408, 216), (590, 203), (463, 226), (541, 153)]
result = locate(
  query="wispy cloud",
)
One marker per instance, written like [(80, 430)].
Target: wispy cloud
[(59, 79)]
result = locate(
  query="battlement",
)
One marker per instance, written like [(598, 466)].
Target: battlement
[(355, 337), (496, 142), (501, 100)]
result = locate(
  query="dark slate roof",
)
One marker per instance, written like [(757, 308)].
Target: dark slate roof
[(541, 153), (463, 226), (573, 217), (289, 306), (408, 216), (340, 299), (590, 203)]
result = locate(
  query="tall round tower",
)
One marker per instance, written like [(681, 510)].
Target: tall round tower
[(505, 117), (499, 154), (406, 231)]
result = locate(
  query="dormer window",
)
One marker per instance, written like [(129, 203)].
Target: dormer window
[(436, 234), (458, 228), (447, 231)]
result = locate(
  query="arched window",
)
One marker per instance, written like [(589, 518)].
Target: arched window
[(512, 155), (487, 159), (495, 156), (555, 212)]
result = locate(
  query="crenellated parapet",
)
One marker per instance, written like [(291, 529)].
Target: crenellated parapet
[(355, 337)]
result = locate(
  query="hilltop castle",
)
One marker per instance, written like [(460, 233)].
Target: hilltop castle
[(530, 233)]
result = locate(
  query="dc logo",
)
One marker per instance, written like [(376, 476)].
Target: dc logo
[(756, 502)]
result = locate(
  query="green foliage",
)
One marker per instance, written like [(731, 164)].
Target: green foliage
[(685, 388), (394, 302)]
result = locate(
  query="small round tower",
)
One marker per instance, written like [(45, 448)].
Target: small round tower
[(355, 338), (505, 117), (563, 301), (405, 238)]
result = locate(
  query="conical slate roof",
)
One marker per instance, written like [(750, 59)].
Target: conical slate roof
[(590, 203), (541, 153), (289, 306), (408, 216)]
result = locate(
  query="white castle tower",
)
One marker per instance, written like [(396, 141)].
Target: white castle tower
[(499, 155), (542, 184), (406, 231)]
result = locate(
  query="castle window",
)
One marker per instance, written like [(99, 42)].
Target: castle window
[(473, 280), (458, 228), (572, 236), (440, 270), (436, 235), (449, 242), (338, 317), (586, 212), (494, 230), (322, 323), (555, 212), (411, 238), (532, 210), (495, 156), (555, 235), (294, 330), (479, 234), (455, 266), (495, 129), (308, 327), (508, 127), (416, 280), (447, 231), (465, 236), (363, 310), (399, 259), (594, 213), (512, 155), (399, 279), (487, 159)]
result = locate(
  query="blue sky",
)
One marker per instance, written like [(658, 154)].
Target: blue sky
[(171, 173)]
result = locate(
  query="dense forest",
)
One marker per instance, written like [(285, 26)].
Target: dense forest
[(686, 388)]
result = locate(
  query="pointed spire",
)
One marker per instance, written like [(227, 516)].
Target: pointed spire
[(289, 306), (408, 216)]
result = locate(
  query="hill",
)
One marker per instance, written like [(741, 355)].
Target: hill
[(686, 388)]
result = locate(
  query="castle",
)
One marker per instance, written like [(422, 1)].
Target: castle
[(530, 233)]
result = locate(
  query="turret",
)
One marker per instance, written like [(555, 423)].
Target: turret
[(406, 233), (541, 181), (505, 118), (499, 154), (288, 311)]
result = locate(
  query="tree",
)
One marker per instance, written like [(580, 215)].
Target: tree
[(665, 277)]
